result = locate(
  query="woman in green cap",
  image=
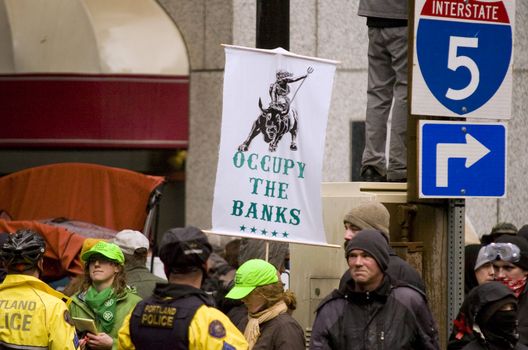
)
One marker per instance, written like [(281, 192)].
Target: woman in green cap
[(269, 324), (104, 296)]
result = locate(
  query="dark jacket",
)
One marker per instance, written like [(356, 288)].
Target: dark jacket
[(398, 269), (176, 302), (475, 345), (523, 316), (239, 316), (465, 335), (394, 316), (279, 333), (179, 316)]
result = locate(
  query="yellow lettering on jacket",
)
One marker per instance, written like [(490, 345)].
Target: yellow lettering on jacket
[(158, 316), (18, 305), (15, 321), (158, 309)]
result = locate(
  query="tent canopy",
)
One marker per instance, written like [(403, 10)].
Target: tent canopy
[(111, 198)]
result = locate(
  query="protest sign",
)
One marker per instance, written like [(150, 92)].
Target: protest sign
[(275, 110)]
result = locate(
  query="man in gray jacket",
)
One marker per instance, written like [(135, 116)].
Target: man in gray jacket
[(387, 79), (373, 311)]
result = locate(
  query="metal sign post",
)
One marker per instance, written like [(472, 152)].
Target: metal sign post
[(455, 259), (461, 61)]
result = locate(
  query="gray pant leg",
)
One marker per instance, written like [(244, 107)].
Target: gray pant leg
[(381, 79), (397, 45)]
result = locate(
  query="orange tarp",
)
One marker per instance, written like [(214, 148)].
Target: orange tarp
[(62, 247), (105, 196)]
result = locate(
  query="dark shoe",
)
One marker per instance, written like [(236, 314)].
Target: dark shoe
[(370, 174)]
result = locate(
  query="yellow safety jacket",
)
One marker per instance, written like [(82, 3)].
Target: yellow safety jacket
[(34, 316), (210, 329)]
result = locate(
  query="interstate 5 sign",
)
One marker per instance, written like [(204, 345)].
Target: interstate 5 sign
[(459, 159), (463, 58)]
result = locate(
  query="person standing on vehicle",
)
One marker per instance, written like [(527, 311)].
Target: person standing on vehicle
[(374, 215), (32, 314), (179, 315), (373, 310), (387, 81), (104, 296), (135, 247)]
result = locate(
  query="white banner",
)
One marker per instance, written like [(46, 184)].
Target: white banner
[(268, 181)]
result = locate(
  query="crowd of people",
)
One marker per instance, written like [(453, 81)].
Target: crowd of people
[(208, 303), (492, 315)]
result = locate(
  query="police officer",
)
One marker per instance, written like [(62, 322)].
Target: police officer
[(179, 315), (32, 314)]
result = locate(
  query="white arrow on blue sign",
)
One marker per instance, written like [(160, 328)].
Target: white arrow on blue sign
[(460, 160)]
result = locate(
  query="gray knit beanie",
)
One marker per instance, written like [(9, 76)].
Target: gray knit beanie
[(370, 215), (372, 242)]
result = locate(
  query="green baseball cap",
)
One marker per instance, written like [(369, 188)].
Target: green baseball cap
[(106, 249), (250, 275)]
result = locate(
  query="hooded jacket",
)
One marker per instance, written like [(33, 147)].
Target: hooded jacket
[(467, 333), (393, 316)]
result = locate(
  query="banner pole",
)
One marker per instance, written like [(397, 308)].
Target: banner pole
[(267, 251)]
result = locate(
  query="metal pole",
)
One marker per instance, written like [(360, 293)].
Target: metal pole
[(273, 30), (273, 24), (455, 258)]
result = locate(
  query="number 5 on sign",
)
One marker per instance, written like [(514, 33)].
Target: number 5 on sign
[(454, 62), (462, 58)]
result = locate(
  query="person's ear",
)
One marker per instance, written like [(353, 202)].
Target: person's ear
[(40, 264)]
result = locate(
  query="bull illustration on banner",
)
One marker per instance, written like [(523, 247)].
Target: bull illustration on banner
[(279, 118)]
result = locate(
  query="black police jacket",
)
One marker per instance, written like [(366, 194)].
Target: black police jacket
[(162, 321)]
